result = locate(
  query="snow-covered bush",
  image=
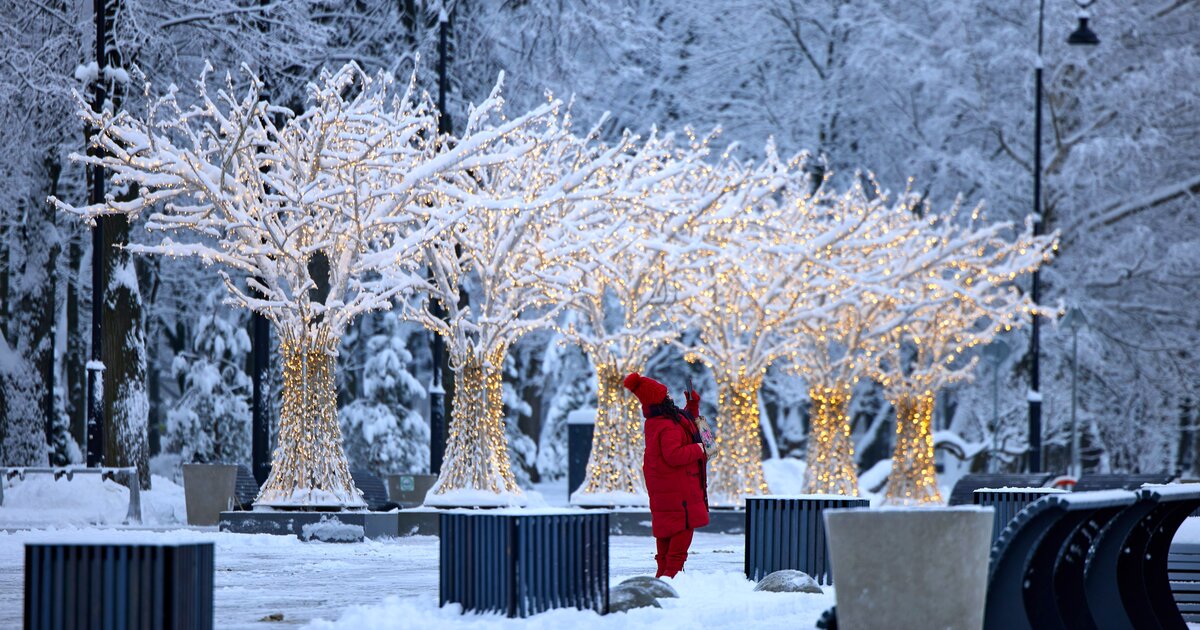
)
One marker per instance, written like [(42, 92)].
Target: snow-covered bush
[(211, 421), (383, 432)]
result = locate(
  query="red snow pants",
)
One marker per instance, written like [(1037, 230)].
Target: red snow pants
[(673, 552)]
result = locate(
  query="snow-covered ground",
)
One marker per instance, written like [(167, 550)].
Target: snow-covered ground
[(375, 584), (390, 583)]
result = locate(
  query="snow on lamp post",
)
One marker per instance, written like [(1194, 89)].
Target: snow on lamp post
[(322, 214), (520, 253), (964, 303)]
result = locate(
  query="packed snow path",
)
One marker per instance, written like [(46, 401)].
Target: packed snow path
[(394, 583)]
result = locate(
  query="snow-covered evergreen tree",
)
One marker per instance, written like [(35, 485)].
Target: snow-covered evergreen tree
[(570, 387), (383, 431), (210, 423), (22, 432)]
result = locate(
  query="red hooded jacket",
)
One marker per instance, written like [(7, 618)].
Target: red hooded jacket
[(674, 461)]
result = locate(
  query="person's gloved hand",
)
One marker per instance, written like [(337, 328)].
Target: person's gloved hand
[(693, 403)]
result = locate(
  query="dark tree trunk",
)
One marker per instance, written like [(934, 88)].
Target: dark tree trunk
[(123, 347), (123, 352)]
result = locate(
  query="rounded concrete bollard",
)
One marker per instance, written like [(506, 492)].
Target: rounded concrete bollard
[(626, 597), (916, 568), (652, 585), (788, 581)]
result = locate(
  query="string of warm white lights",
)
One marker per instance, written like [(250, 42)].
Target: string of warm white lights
[(627, 308), (321, 216), (957, 306), (317, 218), (770, 274), (523, 249)]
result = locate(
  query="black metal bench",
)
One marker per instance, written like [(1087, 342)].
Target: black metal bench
[(1183, 570), (1037, 566), (521, 564), (114, 586), (245, 488), (789, 533), (964, 490), (373, 490), (1128, 581), (1119, 481)]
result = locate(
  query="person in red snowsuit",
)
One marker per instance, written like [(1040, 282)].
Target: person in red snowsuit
[(674, 467)]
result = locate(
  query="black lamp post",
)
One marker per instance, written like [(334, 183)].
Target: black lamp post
[(437, 392), (1083, 36), (94, 422)]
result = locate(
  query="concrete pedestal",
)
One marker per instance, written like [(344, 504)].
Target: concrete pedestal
[(373, 524), (920, 568), (424, 522)]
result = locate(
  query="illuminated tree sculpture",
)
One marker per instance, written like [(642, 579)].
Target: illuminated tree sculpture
[(960, 304), (518, 256), (313, 220), (834, 350), (625, 306), (758, 286)]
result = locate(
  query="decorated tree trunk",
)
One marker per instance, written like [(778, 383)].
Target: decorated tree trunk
[(737, 470), (913, 479), (831, 468), (309, 466), (476, 470), (614, 470)]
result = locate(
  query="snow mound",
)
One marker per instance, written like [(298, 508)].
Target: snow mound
[(331, 530), (39, 500), (785, 475)]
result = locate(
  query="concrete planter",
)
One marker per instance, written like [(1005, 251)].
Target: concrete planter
[(208, 490), (917, 568)]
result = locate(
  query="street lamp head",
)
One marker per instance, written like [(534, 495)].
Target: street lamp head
[(996, 352), (1073, 320), (1083, 35)]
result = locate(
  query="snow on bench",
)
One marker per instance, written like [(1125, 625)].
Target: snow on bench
[(126, 475)]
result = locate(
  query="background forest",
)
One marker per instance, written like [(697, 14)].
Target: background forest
[(939, 92)]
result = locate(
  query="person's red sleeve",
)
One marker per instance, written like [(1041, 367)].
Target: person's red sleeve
[(693, 405), (675, 451)]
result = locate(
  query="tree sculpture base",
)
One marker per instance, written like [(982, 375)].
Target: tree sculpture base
[(309, 469), (737, 470), (476, 472), (914, 478), (614, 470), (831, 468)]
